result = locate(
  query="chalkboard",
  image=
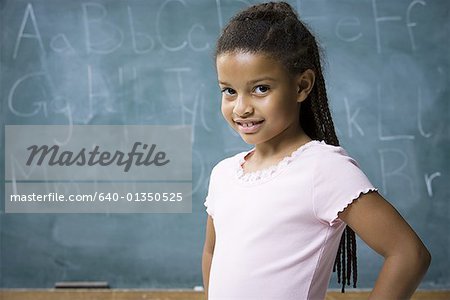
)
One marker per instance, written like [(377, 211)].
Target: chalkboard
[(151, 62)]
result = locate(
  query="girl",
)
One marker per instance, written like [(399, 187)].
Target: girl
[(284, 214)]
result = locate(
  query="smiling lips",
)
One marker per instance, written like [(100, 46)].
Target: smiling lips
[(249, 125)]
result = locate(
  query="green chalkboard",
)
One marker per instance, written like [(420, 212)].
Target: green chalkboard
[(150, 62)]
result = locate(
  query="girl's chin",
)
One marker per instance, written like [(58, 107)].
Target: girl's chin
[(250, 139)]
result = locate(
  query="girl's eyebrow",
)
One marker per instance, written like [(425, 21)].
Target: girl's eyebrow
[(252, 81)]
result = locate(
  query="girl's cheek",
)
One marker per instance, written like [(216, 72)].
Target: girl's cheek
[(225, 110)]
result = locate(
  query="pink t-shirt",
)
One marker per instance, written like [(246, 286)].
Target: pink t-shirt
[(277, 229)]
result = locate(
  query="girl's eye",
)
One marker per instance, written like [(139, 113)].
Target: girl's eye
[(261, 89), (230, 91)]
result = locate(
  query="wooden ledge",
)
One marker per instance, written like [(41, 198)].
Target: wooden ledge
[(136, 294)]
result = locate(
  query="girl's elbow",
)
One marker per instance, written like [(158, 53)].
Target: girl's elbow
[(423, 258), (417, 255), (424, 255), (426, 258), (425, 262)]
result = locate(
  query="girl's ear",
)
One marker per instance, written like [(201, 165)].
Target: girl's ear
[(305, 84)]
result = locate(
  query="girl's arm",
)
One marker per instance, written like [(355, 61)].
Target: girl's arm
[(383, 229), (208, 250)]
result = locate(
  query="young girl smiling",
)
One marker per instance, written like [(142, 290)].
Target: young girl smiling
[(282, 215)]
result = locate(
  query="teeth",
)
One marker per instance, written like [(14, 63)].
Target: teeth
[(249, 124)]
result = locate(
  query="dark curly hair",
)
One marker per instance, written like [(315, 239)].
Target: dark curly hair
[(274, 28)]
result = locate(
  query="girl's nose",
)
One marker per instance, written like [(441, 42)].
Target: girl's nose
[(243, 106)]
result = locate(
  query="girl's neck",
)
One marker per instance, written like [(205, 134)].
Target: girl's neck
[(279, 149)]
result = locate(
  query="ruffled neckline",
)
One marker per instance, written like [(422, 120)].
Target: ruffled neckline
[(269, 172)]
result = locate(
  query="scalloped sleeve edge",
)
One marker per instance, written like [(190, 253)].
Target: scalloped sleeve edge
[(209, 209), (350, 201)]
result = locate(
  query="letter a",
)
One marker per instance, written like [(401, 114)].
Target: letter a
[(28, 13)]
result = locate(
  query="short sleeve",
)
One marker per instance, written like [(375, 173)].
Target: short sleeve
[(209, 203), (209, 206), (338, 180)]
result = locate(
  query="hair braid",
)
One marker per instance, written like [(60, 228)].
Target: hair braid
[(322, 99), (263, 28), (355, 273), (337, 264), (349, 255), (330, 137), (343, 262)]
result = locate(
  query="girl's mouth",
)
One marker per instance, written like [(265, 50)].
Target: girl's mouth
[(249, 127)]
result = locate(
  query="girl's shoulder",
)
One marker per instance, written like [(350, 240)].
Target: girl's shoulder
[(322, 155), (319, 148), (324, 149), (330, 157)]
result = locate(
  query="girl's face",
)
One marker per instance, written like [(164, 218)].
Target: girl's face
[(260, 100)]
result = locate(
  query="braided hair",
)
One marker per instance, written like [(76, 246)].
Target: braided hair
[(274, 28)]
